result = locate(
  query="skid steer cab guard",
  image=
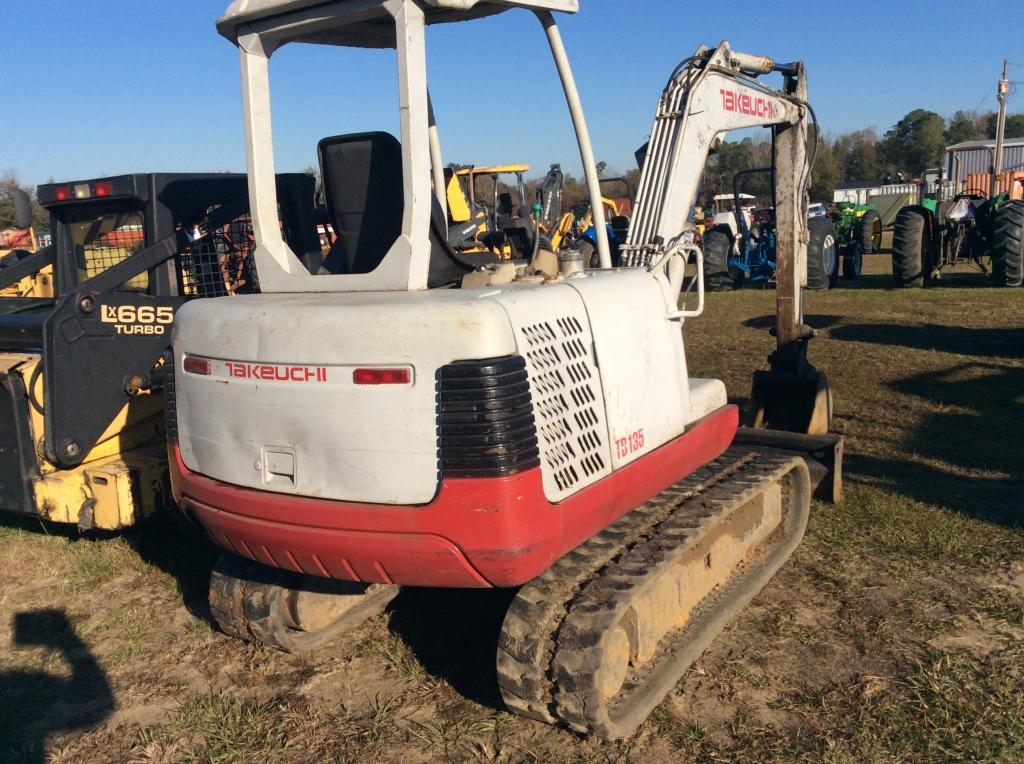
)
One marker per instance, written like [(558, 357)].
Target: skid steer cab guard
[(81, 425)]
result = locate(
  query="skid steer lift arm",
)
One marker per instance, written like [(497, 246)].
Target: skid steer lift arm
[(709, 94)]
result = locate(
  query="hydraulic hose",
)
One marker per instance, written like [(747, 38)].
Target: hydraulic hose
[(32, 388)]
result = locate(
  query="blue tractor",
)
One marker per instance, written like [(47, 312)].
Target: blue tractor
[(744, 253)]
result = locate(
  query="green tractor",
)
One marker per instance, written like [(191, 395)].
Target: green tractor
[(967, 228), (859, 228)]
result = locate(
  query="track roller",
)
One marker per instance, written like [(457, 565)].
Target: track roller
[(598, 640), (285, 610)]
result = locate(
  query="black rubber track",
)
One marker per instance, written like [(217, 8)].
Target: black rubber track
[(1008, 245), (248, 601), (910, 247), (549, 656)]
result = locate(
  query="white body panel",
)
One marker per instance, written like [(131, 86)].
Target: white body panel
[(637, 349), (606, 367), (375, 443), (728, 220)]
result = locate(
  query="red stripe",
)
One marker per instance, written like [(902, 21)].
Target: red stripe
[(476, 532)]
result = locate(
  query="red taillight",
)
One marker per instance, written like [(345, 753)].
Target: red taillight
[(62, 193), (103, 188), (382, 376), (195, 365)]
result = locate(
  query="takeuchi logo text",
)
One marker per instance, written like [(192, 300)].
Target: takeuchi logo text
[(273, 373), (744, 103)]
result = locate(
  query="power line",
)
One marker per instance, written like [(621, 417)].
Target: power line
[(981, 100)]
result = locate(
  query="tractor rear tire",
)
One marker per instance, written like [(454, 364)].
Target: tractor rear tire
[(1008, 245), (822, 254), (717, 277), (910, 259), (867, 232)]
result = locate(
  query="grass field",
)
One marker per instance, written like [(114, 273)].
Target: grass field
[(894, 634)]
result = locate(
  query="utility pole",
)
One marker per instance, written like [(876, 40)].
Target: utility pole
[(997, 161)]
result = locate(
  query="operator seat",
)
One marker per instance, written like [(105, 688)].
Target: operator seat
[(365, 200)]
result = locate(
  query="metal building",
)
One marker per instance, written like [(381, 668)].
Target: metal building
[(963, 159)]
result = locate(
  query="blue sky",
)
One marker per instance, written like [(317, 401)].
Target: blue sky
[(94, 88)]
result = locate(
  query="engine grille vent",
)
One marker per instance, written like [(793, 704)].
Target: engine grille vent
[(486, 426), (566, 390)]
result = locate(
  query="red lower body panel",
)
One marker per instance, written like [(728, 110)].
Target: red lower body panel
[(476, 533)]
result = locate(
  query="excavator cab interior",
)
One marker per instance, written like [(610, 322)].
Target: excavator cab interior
[(362, 181), (363, 197)]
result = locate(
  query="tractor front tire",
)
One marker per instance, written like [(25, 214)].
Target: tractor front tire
[(1008, 245), (822, 254), (853, 262), (717, 277), (910, 258), (867, 232)]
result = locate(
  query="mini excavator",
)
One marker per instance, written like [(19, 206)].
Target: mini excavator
[(397, 416)]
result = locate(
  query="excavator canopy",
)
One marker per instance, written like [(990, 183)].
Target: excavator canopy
[(357, 23)]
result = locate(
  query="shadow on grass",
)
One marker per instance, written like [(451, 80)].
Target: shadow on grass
[(973, 425), (993, 500), (35, 704), (454, 635), (182, 552), (884, 282), (815, 321), (877, 281), (997, 342)]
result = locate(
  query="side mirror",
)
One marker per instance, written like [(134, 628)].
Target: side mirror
[(22, 208)]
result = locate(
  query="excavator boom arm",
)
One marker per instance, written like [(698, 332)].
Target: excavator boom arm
[(712, 93)]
